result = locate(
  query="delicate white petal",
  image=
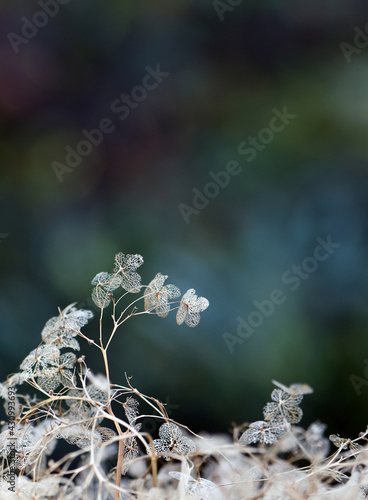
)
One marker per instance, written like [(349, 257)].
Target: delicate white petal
[(190, 307)]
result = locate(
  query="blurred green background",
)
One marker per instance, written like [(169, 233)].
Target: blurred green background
[(229, 68)]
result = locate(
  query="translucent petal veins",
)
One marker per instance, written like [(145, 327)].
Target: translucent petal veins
[(263, 432), (284, 397), (161, 448), (49, 367), (131, 451), (101, 297), (151, 293), (171, 439), (49, 379), (190, 307), (83, 409), (157, 296), (109, 281), (26, 448), (83, 436), (131, 409), (129, 262), (61, 329), (105, 284), (284, 406), (130, 444), (125, 267), (97, 394), (106, 433), (131, 281), (294, 389), (169, 432), (75, 318), (172, 291), (39, 358)]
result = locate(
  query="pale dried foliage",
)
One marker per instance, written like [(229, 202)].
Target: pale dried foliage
[(108, 457)]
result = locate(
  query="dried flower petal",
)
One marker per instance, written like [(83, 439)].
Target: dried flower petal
[(125, 266), (263, 432), (200, 487), (156, 295), (171, 439), (285, 407), (190, 307), (105, 284), (294, 389), (339, 441)]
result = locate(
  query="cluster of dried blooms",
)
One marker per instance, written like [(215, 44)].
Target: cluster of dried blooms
[(108, 457)]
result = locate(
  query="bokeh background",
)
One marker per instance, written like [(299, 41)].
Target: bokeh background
[(229, 67)]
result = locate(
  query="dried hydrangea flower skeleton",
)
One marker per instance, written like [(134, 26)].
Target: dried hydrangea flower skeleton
[(190, 307), (77, 406), (278, 415), (73, 409), (171, 440), (49, 368), (157, 295), (126, 268), (283, 407), (263, 432)]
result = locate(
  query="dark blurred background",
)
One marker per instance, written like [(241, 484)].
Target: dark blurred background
[(227, 68)]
